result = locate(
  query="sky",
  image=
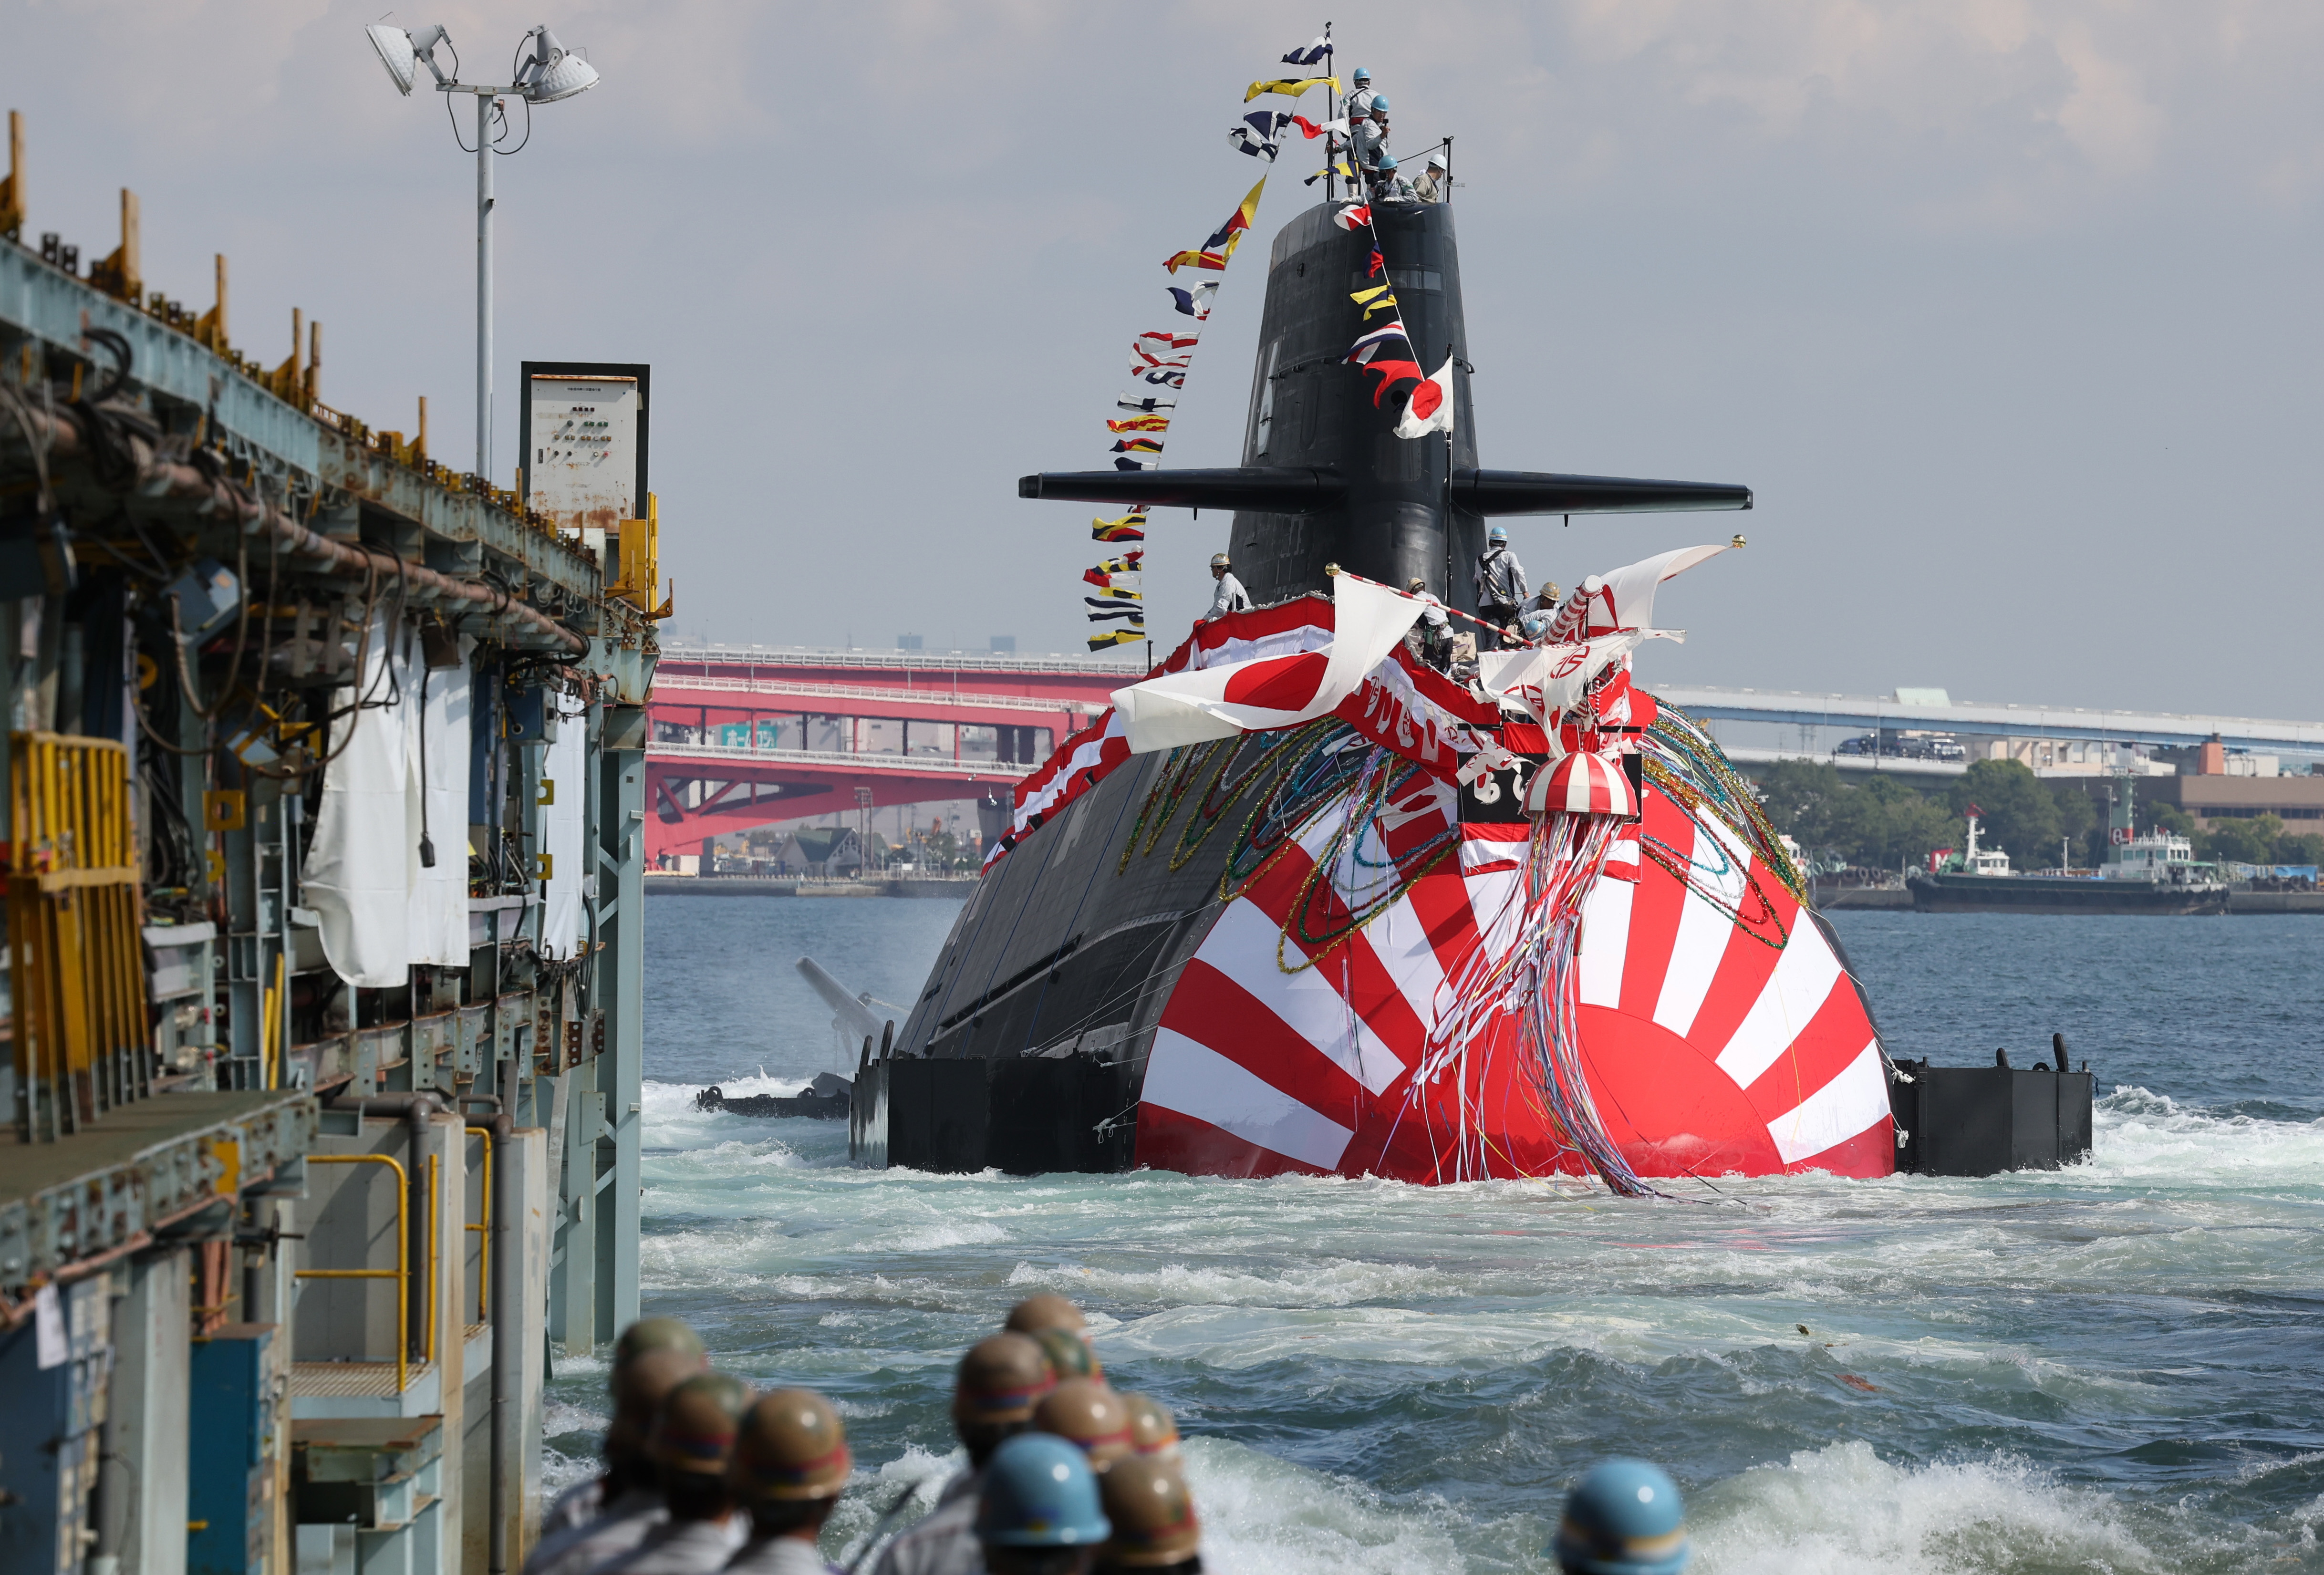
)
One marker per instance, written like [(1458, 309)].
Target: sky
[(2006, 310)]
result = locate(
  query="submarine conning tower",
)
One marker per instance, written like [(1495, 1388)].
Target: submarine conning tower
[(1310, 408), (1325, 479)]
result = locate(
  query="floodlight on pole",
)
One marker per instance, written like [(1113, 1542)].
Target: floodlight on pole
[(546, 73)]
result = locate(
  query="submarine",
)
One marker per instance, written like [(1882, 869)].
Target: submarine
[(1276, 951)]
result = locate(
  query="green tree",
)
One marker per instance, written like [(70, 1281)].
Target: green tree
[(2019, 814), (2078, 818), (2168, 816), (2245, 842), (1804, 799), (2300, 848), (1882, 823)]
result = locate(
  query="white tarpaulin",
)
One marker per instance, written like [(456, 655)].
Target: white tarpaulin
[(1280, 691), (439, 747), (359, 870), (561, 824), (1624, 599), (1550, 680)]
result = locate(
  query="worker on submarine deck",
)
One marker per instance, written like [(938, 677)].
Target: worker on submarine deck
[(1501, 587), (1229, 597)]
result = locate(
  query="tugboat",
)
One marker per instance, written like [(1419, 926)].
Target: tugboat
[(2155, 873)]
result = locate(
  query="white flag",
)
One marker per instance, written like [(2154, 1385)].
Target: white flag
[(1430, 407)]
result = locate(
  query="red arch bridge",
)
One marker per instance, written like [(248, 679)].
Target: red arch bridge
[(747, 736)]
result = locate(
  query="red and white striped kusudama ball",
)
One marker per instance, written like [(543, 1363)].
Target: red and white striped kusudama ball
[(1582, 784)]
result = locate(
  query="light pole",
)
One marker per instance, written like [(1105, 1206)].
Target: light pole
[(546, 72)]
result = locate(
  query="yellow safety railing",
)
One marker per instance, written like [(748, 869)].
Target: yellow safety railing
[(400, 1274), (83, 1043), (484, 1247), (435, 1260)]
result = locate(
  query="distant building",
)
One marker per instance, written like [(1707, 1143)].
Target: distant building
[(820, 850), (2214, 784)]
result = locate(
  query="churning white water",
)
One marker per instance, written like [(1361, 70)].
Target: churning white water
[(2110, 1368)]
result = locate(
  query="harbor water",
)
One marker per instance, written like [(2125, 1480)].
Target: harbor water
[(2108, 1368)]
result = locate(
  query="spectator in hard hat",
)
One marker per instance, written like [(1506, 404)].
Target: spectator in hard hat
[(1089, 1415), (999, 1382), (1623, 1518), (1436, 182), (1533, 618), (1153, 1431), (1039, 1512), (643, 1379), (1359, 102), (789, 1463), (691, 1446), (1387, 185), (636, 1393), (1501, 587), (1229, 597), (1154, 1530)]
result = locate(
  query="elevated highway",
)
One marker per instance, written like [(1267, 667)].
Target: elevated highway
[(2161, 729)]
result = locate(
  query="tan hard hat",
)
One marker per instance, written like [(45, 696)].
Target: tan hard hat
[(656, 1334), (1417, 584), (1069, 1354), (1087, 1414), (1152, 1513), (694, 1432), (1000, 1380), (1220, 560), (1047, 1311), (646, 1379), (1153, 1431), (791, 1446)]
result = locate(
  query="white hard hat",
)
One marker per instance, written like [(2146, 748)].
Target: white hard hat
[(1436, 161)]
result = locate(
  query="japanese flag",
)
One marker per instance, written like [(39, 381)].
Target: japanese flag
[(1430, 407)]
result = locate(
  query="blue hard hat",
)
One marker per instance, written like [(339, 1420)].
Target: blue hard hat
[(1039, 1493), (1624, 1518), (1387, 164), (1379, 101), (1499, 533), (1362, 75)]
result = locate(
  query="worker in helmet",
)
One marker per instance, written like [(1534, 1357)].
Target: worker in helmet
[(790, 1461), (1359, 102), (1534, 617), (999, 1382), (1153, 1431), (1387, 185), (1368, 137), (1436, 182), (1623, 1518), (1039, 1512), (1089, 1415), (1047, 1310), (1431, 638), (1154, 1530), (1229, 597), (1501, 587), (634, 1505), (691, 1445), (636, 1391)]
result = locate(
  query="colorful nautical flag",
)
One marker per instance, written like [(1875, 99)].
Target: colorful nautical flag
[(1138, 445), (1309, 54), (1430, 407), (1374, 264), (1387, 351), (1140, 424), (1237, 221), (1353, 215), (1339, 168), (1373, 340), (1243, 140), (1195, 303), (1290, 88), (1130, 527), (1312, 129), (1215, 262), (1161, 344), (1375, 299), (1135, 462), (1146, 404), (1112, 637), (1268, 123), (1127, 563), (1160, 377)]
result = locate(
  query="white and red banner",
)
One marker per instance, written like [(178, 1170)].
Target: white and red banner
[(1163, 712)]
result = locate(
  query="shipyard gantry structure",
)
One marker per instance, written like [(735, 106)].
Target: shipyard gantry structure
[(326, 815)]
